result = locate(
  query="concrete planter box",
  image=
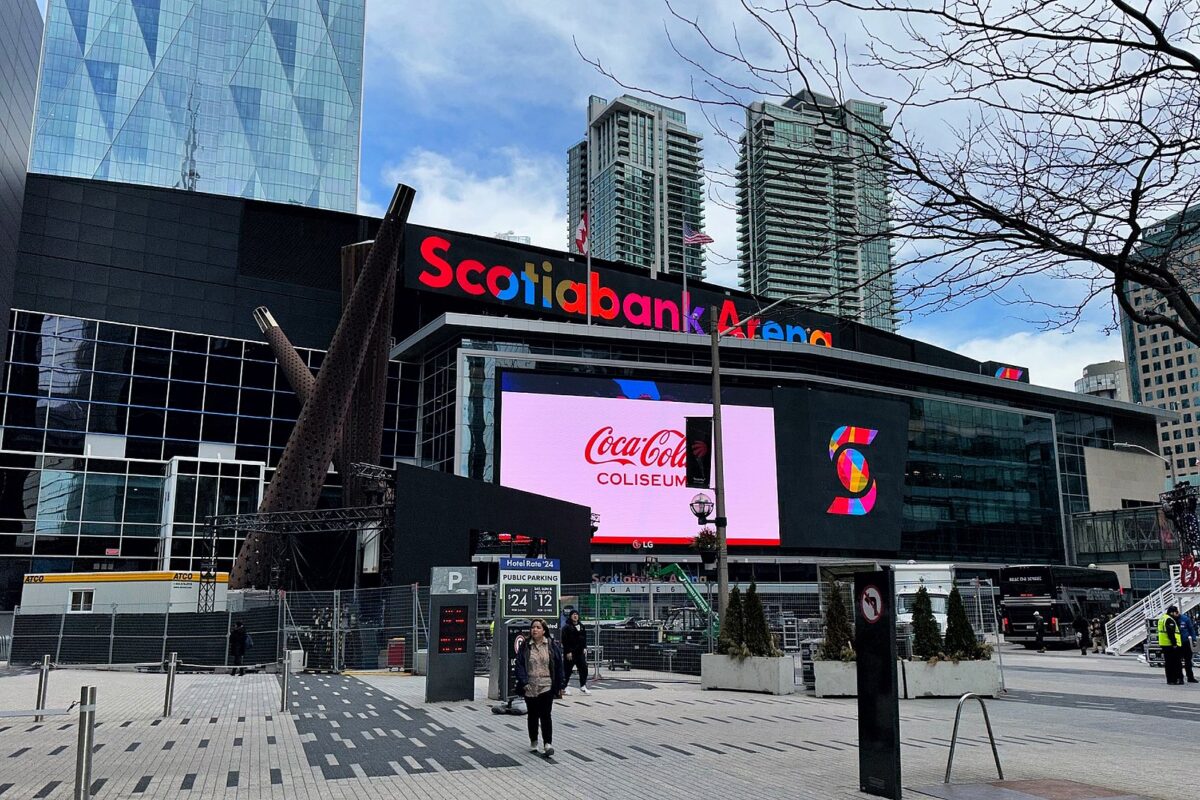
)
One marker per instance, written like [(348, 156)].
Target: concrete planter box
[(835, 678), (947, 679), (769, 675)]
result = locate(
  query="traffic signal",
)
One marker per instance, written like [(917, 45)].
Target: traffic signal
[(698, 432)]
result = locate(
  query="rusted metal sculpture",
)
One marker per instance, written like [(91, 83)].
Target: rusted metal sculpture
[(319, 430)]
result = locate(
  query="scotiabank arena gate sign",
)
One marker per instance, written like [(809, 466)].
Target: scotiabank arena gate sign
[(470, 268)]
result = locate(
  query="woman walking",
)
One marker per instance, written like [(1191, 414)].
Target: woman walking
[(574, 642), (540, 677)]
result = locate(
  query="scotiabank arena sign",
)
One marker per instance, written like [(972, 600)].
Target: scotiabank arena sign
[(488, 271)]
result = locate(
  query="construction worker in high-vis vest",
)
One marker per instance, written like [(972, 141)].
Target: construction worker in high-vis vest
[(1171, 642)]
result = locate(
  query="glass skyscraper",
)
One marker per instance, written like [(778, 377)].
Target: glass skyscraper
[(237, 97), (812, 199), (644, 173)]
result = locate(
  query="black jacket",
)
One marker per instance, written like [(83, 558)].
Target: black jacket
[(558, 673), (237, 642), (1081, 626), (574, 640)]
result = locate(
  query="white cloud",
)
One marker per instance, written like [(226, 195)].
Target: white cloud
[(527, 195), (1054, 358)]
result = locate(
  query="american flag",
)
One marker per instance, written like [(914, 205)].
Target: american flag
[(693, 236)]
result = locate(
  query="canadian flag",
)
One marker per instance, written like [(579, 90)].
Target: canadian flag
[(581, 234)]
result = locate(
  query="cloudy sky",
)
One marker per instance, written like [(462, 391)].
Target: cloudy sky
[(475, 104)]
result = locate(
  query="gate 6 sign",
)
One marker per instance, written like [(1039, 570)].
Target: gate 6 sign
[(870, 602), (529, 587)]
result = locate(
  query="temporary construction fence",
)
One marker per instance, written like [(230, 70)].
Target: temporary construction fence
[(658, 626), (131, 634)]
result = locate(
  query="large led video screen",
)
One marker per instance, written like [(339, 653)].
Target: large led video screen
[(618, 447)]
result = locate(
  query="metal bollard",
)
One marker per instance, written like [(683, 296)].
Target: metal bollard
[(43, 686), (84, 746), (284, 681), (169, 700)]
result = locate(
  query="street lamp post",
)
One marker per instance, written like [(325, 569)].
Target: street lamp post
[(719, 468), (718, 451), (1170, 461)]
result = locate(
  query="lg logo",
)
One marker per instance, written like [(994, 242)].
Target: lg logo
[(853, 471)]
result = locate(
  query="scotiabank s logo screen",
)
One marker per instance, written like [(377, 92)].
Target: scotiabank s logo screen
[(841, 459), (853, 471)]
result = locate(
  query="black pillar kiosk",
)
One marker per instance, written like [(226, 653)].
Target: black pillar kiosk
[(452, 610), (878, 692)]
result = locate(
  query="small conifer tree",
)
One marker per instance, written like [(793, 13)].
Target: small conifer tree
[(960, 636), (927, 642), (732, 641), (758, 633), (838, 644)]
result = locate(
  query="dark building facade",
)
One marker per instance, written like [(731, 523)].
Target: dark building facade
[(20, 44), (139, 396)]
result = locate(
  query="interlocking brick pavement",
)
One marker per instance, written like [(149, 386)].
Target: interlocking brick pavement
[(1101, 720)]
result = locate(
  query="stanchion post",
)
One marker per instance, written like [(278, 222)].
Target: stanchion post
[(283, 663), (43, 686), (169, 699), (84, 746)]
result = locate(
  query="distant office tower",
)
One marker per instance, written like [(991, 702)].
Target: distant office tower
[(20, 38), (813, 207), (509, 236), (237, 97), (1109, 379), (646, 180), (1164, 368)]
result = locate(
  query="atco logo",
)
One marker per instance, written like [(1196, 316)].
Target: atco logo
[(853, 471)]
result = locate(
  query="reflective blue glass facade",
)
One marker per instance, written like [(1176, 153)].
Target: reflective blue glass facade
[(237, 97), (19, 38)]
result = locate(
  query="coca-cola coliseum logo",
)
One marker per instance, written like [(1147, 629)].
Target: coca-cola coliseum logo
[(665, 449)]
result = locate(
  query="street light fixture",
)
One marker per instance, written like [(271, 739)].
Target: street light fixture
[(1169, 461), (701, 507)]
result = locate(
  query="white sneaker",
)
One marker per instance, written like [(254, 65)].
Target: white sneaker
[(585, 690), (533, 748), (567, 690), (547, 750)]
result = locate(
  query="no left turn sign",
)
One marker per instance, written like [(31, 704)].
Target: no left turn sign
[(870, 603)]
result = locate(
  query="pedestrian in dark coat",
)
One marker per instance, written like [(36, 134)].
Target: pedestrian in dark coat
[(540, 678), (574, 642), (1080, 624), (237, 647), (1039, 631), (1187, 634)]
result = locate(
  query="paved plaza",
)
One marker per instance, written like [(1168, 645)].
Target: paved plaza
[(1098, 720)]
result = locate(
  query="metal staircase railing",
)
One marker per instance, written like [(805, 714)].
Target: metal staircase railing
[(1128, 629)]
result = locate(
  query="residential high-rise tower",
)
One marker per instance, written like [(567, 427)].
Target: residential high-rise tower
[(643, 169), (1164, 368), (813, 207), (237, 97)]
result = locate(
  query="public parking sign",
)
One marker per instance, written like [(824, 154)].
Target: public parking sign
[(529, 587)]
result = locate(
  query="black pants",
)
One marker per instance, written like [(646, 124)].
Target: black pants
[(578, 660), (1187, 659), (236, 658), (1173, 661), (1040, 642), (540, 708)]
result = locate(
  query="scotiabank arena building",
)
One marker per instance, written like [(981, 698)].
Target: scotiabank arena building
[(952, 460), (139, 397)]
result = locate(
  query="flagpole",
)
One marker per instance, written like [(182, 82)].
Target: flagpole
[(683, 298), (587, 240)]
